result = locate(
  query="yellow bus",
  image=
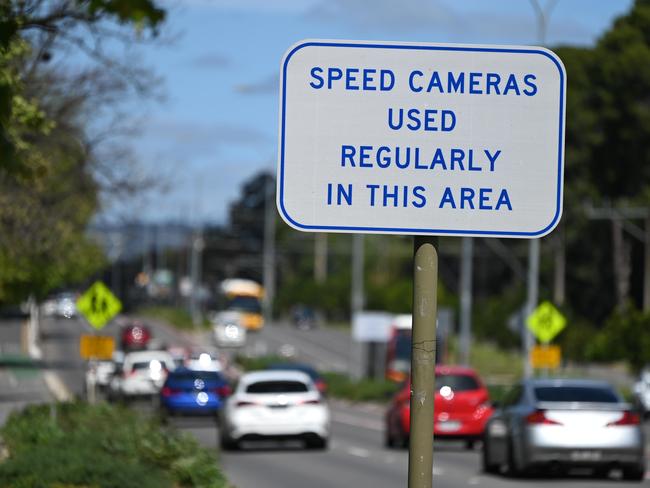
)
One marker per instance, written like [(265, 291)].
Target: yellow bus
[(244, 296)]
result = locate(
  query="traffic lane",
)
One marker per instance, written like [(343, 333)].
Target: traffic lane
[(357, 457), (325, 348)]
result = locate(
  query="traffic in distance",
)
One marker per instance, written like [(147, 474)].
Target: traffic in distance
[(538, 427)]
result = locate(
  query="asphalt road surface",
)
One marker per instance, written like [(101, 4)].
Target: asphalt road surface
[(356, 457)]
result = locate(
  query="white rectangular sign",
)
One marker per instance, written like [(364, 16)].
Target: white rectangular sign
[(403, 138)]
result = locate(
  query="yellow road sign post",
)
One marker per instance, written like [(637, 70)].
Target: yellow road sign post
[(99, 305), (545, 357), (96, 347), (546, 322)]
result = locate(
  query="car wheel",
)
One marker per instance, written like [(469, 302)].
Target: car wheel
[(635, 473), (316, 442), (514, 470), (228, 444), (485, 460)]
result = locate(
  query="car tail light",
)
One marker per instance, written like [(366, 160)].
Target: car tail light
[(539, 418), (309, 402), (167, 391), (628, 418), (223, 391), (245, 403), (321, 386)]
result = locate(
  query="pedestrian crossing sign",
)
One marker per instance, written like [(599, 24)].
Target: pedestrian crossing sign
[(99, 305), (546, 322)]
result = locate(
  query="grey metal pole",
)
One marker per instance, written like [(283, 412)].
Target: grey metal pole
[(269, 251), (646, 267), (467, 251), (423, 359), (357, 303), (195, 273), (531, 303)]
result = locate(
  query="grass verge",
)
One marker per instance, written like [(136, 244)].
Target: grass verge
[(174, 316), (75, 445), (339, 385)]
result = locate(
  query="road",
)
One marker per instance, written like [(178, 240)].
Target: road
[(356, 457)]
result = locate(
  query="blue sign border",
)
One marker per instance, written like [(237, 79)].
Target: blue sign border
[(405, 230)]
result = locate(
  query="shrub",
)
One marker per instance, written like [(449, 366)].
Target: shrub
[(100, 446)]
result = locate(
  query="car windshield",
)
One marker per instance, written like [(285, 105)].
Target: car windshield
[(277, 386), (457, 382), (588, 394), (191, 376), (245, 304), (141, 365)]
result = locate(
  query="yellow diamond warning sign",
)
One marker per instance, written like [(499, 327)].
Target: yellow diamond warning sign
[(98, 305), (546, 322)]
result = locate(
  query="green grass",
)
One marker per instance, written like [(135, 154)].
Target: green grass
[(339, 385), (101, 446), (174, 316)]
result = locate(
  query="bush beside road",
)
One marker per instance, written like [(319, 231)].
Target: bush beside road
[(81, 445)]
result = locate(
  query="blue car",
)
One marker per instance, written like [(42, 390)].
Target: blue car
[(189, 392)]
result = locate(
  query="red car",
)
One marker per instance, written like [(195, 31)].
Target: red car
[(462, 408), (135, 337)]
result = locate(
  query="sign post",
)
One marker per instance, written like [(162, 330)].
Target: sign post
[(424, 140), (423, 361), (98, 305)]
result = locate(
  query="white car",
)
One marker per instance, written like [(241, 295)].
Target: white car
[(142, 373), (204, 361), (228, 329), (275, 405)]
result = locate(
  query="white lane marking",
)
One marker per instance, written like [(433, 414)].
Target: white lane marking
[(57, 387), (473, 481), (438, 471), (358, 452), (344, 418)]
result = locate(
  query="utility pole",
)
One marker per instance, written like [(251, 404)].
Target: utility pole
[(320, 257), (356, 299), (195, 274), (621, 221), (269, 249), (465, 342), (543, 15)]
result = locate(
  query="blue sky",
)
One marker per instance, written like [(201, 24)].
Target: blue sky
[(217, 125)]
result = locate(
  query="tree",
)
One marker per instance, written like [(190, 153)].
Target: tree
[(52, 168)]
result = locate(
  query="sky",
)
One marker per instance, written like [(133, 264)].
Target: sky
[(219, 61)]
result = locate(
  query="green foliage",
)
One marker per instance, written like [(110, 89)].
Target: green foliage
[(624, 337), (100, 446), (364, 390)]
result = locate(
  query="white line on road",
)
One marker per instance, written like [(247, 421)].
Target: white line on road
[(57, 387), (358, 452)]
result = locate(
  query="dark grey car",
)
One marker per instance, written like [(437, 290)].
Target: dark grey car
[(564, 423)]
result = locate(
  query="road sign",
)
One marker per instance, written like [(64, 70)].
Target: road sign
[(545, 357), (546, 322), (99, 305), (405, 138), (96, 347)]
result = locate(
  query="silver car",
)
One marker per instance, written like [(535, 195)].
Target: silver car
[(560, 423)]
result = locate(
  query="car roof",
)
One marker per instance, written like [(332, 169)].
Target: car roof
[(292, 367), (453, 369), (275, 375), (137, 356), (571, 382)]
